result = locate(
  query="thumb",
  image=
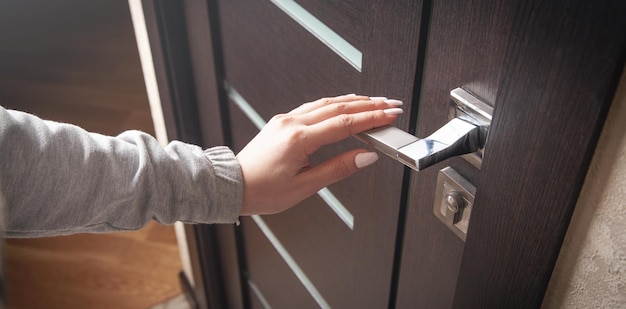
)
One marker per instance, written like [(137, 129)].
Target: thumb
[(337, 168)]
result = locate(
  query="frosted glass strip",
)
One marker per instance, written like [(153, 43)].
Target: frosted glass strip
[(341, 211), (245, 107), (259, 295), (328, 197), (308, 285), (326, 35)]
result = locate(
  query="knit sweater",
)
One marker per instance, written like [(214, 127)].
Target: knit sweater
[(59, 179)]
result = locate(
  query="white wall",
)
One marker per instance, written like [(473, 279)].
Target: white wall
[(591, 269)]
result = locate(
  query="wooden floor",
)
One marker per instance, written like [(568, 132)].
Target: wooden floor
[(76, 61)]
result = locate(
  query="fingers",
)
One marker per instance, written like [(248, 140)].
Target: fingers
[(337, 128), (328, 111), (307, 107), (329, 107), (336, 169), (275, 164)]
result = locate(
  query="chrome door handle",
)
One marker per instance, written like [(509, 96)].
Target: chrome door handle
[(465, 133)]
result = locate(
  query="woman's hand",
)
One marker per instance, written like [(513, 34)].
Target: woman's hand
[(275, 164)]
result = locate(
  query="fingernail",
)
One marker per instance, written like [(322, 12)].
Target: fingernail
[(350, 95), (364, 159), (394, 102), (378, 98), (393, 111)]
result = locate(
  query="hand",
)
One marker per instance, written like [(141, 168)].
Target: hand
[(275, 164)]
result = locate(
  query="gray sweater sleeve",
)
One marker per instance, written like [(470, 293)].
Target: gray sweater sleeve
[(59, 179)]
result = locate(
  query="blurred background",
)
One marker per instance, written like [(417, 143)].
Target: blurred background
[(77, 62)]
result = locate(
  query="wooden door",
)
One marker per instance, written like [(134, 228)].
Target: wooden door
[(549, 69), (338, 250)]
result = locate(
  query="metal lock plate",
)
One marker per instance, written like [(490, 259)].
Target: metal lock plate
[(468, 107), (454, 199)]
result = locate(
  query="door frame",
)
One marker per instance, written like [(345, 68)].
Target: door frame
[(184, 47)]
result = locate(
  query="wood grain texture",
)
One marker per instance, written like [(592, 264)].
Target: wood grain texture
[(277, 283), (562, 68), (276, 65), (347, 18), (311, 232), (546, 67), (466, 47), (77, 62), (121, 270), (483, 46), (390, 59)]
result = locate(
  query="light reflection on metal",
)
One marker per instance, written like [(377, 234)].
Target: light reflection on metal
[(466, 133)]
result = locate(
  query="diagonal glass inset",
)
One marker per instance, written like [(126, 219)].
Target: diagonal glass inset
[(306, 282), (255, 289), (322, 32)]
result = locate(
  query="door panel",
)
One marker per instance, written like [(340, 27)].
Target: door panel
[(467, 43), (344, 17), (314, 236), (518, 57), (391, 68), (274, 65), (551, 108), (276, 275)]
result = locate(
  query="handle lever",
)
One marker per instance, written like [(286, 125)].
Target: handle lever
[(465, 133)]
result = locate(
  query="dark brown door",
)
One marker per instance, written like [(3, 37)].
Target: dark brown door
[(336, 249), (373, 241), (549, 68)]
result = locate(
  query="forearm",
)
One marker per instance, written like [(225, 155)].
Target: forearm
[(60, 179)]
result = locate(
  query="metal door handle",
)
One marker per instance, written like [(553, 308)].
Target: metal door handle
[(465, 133)]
